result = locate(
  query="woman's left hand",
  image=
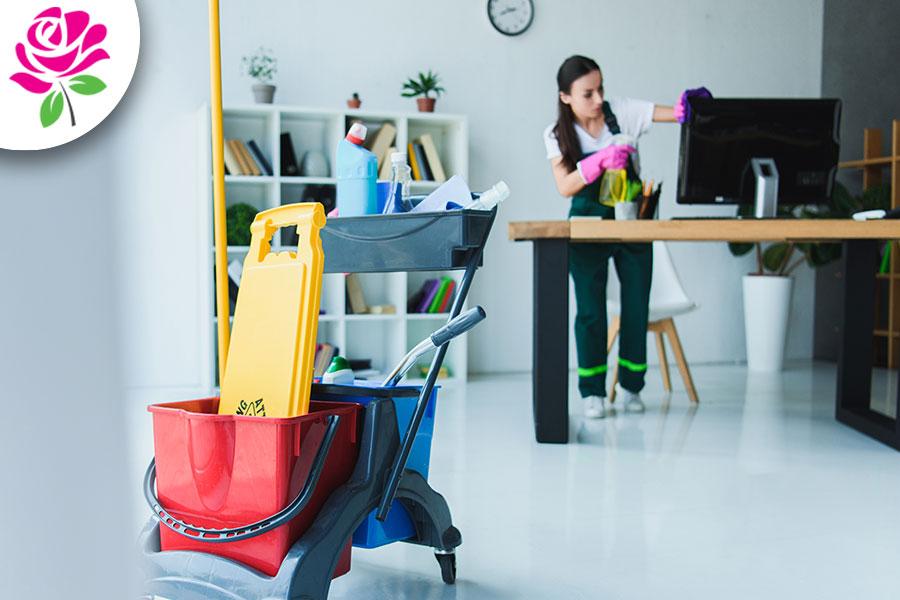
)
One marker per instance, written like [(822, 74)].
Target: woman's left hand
[(682, 108)]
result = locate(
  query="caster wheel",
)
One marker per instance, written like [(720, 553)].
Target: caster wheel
[(448, 567)]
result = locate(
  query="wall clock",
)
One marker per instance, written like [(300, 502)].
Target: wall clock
[(511, 17)]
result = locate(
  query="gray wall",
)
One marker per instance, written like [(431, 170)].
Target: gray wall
[(860, 48)]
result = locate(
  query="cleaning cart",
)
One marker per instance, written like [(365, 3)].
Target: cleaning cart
[(385, 497)]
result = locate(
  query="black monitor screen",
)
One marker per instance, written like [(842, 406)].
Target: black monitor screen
[(723, 135)]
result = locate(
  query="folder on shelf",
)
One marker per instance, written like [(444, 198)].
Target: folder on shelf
[(413, 163), (242, 162), (424, 170), (289, 166), (434, 159), (381, 141), (248, 159), (448, 297), (431, 289), (356, 301), (438, 298), (260, 158), (384, 173)]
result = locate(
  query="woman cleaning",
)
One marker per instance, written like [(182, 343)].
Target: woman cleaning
[(581, 146)]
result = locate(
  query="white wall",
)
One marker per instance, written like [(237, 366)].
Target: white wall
[(648, 49)]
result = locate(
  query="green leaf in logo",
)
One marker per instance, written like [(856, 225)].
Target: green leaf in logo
[(51, 109), (86, 85)]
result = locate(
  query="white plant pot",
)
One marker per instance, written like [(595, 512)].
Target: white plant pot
[(767, 305)]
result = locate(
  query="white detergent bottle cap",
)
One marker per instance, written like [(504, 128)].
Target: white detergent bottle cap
[(398, 157), (357, 134), (491, 198)]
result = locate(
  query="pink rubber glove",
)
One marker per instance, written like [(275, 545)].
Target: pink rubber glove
[(683, 107), (611, 157)]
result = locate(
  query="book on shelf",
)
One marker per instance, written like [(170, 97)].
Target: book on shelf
[(260, 158), (289, 166), (424, 169), (381, 141), (255, 170), (433, 158), (439, 297), (236, 151), (231, 161), (325, 352), (431, 289), (413, 163), (384, 173), (356, 301), (448, 297), (234, 283)]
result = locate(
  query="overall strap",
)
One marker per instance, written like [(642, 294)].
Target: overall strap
[(613, 124)]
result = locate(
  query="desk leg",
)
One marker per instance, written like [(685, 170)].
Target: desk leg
[(854, 378), (550, 355)]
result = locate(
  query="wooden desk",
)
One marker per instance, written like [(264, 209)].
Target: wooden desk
[(550, 358)]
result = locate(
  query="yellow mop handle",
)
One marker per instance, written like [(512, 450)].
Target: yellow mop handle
[(219, 227)]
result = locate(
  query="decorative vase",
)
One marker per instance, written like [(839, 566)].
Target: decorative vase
[(425, 104), (354, 103), (314, 164), (263, 93), (767, 305)]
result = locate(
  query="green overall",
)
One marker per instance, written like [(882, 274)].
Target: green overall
[(589, 266)]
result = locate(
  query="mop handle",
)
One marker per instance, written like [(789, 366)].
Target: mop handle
[(457, 326)]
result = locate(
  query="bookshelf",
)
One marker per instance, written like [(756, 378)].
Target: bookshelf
[(383, 338), (887, 289)]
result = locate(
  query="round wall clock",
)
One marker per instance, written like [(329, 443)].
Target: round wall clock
[(511, 17)]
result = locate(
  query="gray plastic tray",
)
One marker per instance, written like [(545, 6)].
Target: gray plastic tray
[(404, 242)]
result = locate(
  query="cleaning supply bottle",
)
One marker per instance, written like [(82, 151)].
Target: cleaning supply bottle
[(357, 172), (401, 175), (491, 198)]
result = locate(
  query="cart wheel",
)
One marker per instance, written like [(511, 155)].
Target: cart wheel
[(448, 566)]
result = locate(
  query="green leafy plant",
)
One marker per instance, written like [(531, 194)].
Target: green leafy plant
[(261, 66), (427, 83), (238, 218), (782, 258)]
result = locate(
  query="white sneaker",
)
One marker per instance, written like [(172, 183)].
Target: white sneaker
[(632, 400), (594, 407)]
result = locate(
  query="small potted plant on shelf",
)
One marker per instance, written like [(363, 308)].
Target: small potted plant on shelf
[(261, 66), (354, 101), (427, 83)]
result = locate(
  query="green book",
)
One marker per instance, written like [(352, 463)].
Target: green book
[(439, 297)]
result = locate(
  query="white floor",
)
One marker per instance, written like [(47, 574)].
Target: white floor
[(758, 493)]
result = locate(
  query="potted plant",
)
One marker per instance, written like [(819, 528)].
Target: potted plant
[(767, 291), (354, 101), (261, 66), (427, 83)]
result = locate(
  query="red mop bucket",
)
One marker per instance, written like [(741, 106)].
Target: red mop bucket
[(248, 476)]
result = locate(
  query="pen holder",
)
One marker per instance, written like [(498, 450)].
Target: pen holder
[(626, 211), (648, 205)]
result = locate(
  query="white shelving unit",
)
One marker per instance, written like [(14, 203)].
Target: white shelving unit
[(382, 338)]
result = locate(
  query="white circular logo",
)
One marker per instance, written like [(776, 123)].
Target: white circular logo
[(64, 66)]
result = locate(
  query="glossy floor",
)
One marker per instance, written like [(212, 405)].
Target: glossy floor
[(758, 493)]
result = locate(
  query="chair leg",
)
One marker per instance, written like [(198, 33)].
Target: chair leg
[(663, 361), (615, 380), (612, 333), (669, 326)]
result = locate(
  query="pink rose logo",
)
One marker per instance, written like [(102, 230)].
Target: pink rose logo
[(60, 48)]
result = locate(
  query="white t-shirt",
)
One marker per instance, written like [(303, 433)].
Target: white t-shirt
[(634, 116)]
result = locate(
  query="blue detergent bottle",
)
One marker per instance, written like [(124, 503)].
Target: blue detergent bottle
[(357, 171)]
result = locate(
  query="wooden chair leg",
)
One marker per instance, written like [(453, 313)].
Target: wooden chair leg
[(612, 333), (615, 380), (669, 326), (663, 361)]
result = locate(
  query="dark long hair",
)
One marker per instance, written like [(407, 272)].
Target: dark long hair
[(571, 69)]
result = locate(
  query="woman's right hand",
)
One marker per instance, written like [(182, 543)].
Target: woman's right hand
[(611, 157)]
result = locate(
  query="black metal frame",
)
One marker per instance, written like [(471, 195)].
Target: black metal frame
[(854, 380)]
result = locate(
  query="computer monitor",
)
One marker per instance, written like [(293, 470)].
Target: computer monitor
[(759, 151)]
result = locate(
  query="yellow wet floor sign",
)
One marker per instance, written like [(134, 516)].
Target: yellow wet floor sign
[(270, 359)]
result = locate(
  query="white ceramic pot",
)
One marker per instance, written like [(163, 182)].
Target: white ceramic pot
[(625, 211), (767, 306)]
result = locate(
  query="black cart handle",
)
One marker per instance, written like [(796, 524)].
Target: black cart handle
[(254, 529), (458, 326)]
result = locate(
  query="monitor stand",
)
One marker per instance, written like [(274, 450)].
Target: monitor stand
[(765, 203)]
